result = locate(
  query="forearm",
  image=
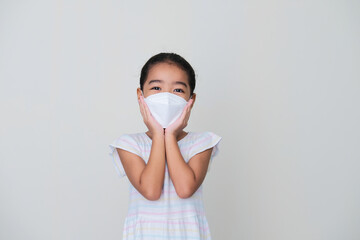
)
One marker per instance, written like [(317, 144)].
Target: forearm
[(152, 177), (181, 174)]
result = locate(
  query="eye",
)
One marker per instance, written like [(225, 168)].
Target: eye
[(155, 88), (179, 90)]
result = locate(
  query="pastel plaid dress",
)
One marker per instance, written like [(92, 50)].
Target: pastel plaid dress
[(169, 217)]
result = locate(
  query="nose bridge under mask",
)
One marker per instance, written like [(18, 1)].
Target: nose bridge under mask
[(142, 93)]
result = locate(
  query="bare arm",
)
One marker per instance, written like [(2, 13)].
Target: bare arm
[(186, 177), (148, 178)]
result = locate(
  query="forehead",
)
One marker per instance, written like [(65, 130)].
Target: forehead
[(167, 72)]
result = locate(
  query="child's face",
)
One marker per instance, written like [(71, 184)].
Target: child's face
[(166, 77)]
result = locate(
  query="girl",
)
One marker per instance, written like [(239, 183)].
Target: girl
[(165, 165)]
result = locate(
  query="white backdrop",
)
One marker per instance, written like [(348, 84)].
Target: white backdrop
[(278, 80)]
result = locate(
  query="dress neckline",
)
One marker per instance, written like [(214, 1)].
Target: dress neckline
[(188, 133)]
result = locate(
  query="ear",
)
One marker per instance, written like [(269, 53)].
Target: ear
[(138, 92), (193, 97)]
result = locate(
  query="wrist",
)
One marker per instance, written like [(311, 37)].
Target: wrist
[(171, 134), (158, 135)]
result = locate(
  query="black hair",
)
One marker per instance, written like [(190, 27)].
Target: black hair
[(171, 58)]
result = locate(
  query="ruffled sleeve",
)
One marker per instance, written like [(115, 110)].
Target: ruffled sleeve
[(203, 142), (125, 142)]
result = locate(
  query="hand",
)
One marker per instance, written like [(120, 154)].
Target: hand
[(176, 127), (154, 127)]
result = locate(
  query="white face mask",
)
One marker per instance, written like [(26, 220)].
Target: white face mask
[(165, 107)]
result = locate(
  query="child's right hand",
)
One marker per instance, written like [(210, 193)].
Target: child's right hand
[(150, 122)]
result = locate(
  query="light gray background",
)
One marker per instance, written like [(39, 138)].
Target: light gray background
[(278, 80)]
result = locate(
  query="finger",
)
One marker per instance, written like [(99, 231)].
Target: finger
[(182, 118), (148, 112), (142, 110), (141, 106), (187, 116), (183, 114), (190, 102), (146, 108), (187, 107)]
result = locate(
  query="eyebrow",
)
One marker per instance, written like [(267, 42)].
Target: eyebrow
[(160, 81), (155, 81), (181, 83)]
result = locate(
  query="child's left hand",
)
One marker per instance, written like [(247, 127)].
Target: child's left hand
[(176, 127)]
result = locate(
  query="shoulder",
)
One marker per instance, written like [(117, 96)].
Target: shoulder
[(135, 137), (200, 141), (133, 140), (128, 142), (206, 136)]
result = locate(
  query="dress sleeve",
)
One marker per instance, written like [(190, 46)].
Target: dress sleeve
[(203, 142), (125, 142)]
